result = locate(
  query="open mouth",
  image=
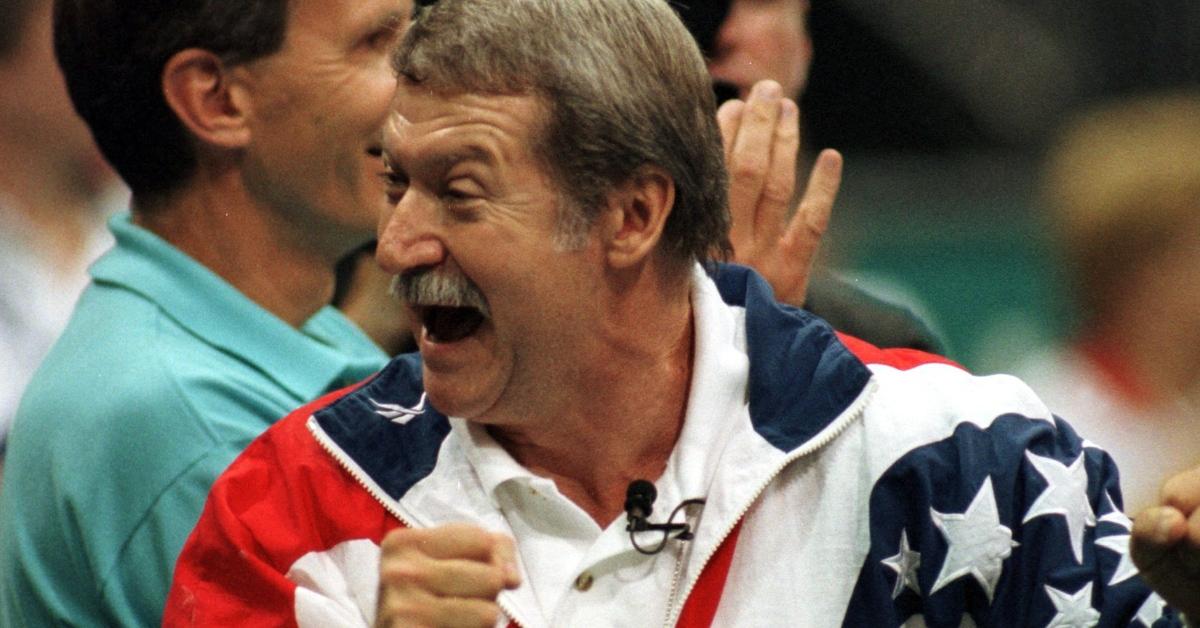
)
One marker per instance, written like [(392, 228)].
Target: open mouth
[(450, 324), (446, 303)]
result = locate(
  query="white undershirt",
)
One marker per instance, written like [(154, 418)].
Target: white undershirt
[(559, 544)]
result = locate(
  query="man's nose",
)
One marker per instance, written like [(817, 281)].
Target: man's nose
[(409, 235)]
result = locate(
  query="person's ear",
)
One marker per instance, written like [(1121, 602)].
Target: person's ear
[(636, 216), (213, 108)]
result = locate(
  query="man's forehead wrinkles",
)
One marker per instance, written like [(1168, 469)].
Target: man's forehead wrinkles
[(437, 153), (396, 121), (428, 129), (444, 143), (393, 134)]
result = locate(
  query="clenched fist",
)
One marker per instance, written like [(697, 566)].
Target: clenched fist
[(444, 576), (1166, 543)]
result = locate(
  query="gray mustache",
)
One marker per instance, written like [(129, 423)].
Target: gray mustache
[(439, 287)]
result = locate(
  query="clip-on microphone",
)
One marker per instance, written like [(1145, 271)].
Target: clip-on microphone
[(639, 504)]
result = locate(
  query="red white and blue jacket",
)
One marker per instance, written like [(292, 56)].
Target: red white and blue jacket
[(864, 487)]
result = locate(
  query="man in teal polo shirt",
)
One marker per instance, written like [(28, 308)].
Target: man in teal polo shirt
[(249, 134)]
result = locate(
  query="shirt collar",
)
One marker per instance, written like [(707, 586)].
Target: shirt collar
[(495, 467), (327, 352)]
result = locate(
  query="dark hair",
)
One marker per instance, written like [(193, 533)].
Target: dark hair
[(624, 85), (14, 16), (112, 54)]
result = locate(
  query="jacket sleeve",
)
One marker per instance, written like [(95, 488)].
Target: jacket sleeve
[(1016, 523), (287, 538)]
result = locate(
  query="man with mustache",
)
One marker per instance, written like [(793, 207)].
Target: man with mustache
[(557, 194)]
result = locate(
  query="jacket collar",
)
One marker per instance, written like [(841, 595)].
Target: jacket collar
[(801, 376)]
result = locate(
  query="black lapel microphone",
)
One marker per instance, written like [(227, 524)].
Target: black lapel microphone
[(639, 504)]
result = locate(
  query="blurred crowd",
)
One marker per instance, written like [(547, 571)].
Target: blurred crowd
[(1117, 214)]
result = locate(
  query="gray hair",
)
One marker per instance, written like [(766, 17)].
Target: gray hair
[(624, 85)]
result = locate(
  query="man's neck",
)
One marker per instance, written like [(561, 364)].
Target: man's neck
[(220, 226), (625, 429)]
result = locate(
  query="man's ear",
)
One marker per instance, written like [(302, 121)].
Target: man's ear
[(636, 216), (197, 87)]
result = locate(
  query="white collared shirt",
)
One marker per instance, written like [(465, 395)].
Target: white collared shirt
[(573, 566)]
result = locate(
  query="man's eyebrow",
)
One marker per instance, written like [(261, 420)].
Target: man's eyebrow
[(469, 152), (442, 163)]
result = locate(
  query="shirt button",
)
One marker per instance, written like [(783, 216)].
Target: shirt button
[(583, 582)]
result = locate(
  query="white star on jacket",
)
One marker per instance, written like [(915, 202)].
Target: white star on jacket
[(1118, 543), (1074, 609), (1151, 610), (977, 544), (1114, 514), (1065, 494), (905, 563)]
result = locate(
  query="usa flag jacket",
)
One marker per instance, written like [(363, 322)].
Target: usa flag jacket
[(859, 487)]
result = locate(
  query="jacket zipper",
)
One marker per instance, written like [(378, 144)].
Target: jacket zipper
[(344, 461), (839, 425), (373, 489)]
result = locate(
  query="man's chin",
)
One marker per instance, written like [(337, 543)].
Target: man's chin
[(456, 398)]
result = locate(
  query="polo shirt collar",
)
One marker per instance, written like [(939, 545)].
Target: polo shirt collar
[(494, 466), (327, 352)]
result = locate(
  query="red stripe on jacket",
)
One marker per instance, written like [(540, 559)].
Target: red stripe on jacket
[(902, 358)]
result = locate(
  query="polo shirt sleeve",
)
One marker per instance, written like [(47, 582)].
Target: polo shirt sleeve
[(101, 491), (169, 446), (135, 589)]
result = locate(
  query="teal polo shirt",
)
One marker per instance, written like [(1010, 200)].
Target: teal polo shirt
[(164, 374)]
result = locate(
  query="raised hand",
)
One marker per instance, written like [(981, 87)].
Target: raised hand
[(762, 140), (444, 576)]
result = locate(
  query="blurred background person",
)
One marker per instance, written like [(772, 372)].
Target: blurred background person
[(1122, 188), (55, 193), (747, 41)]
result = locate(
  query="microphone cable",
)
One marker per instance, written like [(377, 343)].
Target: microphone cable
[(639, 504)]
